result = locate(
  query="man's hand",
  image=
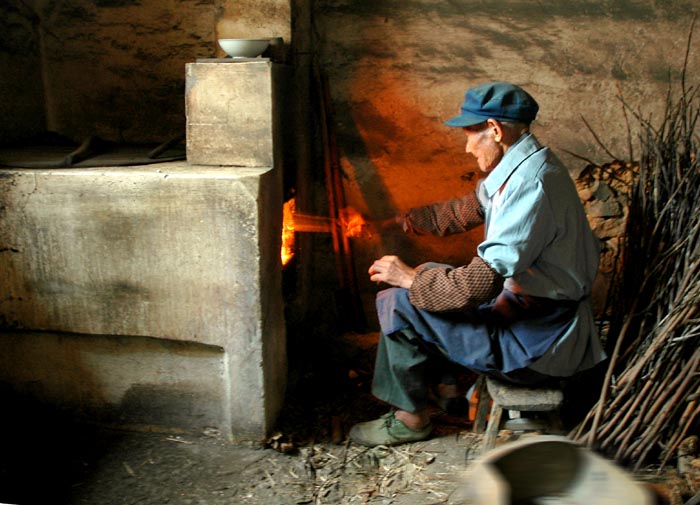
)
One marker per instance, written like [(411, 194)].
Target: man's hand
[(393, 271)]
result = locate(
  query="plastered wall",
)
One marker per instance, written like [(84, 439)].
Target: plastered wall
[(114, 68)]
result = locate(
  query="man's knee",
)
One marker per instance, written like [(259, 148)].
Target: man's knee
[(392, 295)]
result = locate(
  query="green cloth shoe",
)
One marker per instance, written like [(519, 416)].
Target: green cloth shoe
[(387, 430)]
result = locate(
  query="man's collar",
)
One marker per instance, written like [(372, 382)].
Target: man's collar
[(526, 145)]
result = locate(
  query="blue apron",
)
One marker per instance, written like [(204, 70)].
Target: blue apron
[(507, 334)]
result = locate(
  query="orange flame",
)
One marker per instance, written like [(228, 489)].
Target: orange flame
[(287, 252), (354, 225)]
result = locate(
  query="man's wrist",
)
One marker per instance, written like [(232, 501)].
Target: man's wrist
[(396, 224), (408, 281)]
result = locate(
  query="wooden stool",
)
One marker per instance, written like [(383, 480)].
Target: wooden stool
[(524, 399)]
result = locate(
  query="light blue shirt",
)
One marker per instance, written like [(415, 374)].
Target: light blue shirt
[(538, 238)]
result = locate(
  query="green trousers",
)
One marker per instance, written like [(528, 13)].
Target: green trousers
[(406, 366)]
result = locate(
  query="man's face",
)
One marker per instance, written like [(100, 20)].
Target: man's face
[(481, 143)]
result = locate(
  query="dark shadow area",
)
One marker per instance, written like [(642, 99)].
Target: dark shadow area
[(581, 393), (45, 454), (329, 389)]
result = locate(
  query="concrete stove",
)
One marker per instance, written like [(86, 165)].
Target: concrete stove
[(151, 295)]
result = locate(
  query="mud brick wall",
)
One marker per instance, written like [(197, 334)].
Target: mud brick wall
[(605, 193)]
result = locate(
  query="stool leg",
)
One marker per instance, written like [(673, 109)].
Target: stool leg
[(482, 407), (493, 427)]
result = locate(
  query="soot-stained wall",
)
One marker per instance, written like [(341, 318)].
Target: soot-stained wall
[(114, 68), (109, 68)]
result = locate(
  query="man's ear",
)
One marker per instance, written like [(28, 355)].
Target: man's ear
[(496, 129)]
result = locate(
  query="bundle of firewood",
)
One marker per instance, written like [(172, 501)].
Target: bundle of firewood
[(650, 401)]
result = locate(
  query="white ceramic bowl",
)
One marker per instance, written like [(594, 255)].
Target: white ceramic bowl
[(244, 48)]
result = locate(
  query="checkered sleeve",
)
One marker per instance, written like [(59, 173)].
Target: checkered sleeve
[(445, 218), (443, 289)]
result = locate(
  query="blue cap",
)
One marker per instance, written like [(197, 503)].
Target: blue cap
[(496, 100)]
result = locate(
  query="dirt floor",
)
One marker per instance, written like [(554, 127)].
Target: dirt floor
[(116, 467), (48, 458)]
